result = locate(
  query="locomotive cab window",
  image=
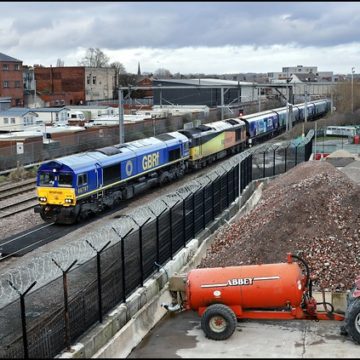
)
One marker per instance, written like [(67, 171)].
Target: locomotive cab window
[(82, 179), (65, 180), (47, 178)]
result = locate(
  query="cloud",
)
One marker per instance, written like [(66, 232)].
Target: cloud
[(41, 32), (237, 59)]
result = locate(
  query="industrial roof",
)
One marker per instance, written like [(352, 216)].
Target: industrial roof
[(4, 57), (204, 81)]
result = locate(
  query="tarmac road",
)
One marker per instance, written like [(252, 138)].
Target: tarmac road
[(180, 336)]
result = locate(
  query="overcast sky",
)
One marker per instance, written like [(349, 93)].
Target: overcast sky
[(186, 37)]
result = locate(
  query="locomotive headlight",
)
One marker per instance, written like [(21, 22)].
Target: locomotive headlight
[(42, 199), (68, 201)]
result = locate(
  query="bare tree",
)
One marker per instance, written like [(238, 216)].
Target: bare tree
[(95, 58), (129, 80), (119, 67), (60, 63), (179, 76), (119, 70), (162, 73)]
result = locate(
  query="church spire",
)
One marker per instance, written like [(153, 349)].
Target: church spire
[(139, 71)]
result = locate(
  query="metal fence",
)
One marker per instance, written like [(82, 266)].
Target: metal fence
[(43, 322)]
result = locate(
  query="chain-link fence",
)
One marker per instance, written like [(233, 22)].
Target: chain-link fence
[(81, 283)]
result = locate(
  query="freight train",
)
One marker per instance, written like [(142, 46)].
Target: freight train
[(73, 187)]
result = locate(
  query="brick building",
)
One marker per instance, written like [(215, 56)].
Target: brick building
[(11, 79), (58, 86), (146, 81), (74, 85)]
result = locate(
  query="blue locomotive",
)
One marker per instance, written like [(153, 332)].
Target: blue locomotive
[(72, 187)]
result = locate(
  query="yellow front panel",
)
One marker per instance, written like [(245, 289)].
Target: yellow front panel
[(195, 153), (56, 196), (214, 145)]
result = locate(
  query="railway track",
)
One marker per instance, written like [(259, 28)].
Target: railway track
[(33, 236), (17, 197), (13, 188)]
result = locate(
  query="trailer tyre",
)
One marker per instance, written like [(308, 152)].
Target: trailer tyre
[(352, 320), (218, 322)]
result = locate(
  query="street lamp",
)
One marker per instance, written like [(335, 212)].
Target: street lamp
[(352, 88)]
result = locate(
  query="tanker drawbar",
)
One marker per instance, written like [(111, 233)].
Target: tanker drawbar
[(223, 295)]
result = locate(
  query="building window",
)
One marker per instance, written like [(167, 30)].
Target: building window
[(94, 80), (6, 121), (5, 84), (12, 120), (88, 80), (5, 67), (17, 66), (17, 84)]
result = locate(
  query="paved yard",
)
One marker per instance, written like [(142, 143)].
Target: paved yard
[(180, 336)]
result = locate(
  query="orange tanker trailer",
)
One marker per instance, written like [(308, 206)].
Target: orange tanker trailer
[(266, 291)]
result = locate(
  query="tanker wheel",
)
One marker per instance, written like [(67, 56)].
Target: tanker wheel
[(352, 320), (218, 322)]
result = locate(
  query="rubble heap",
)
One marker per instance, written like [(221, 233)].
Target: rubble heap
[(313, 211)]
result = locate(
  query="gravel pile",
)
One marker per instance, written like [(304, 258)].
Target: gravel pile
[(313, 211)]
